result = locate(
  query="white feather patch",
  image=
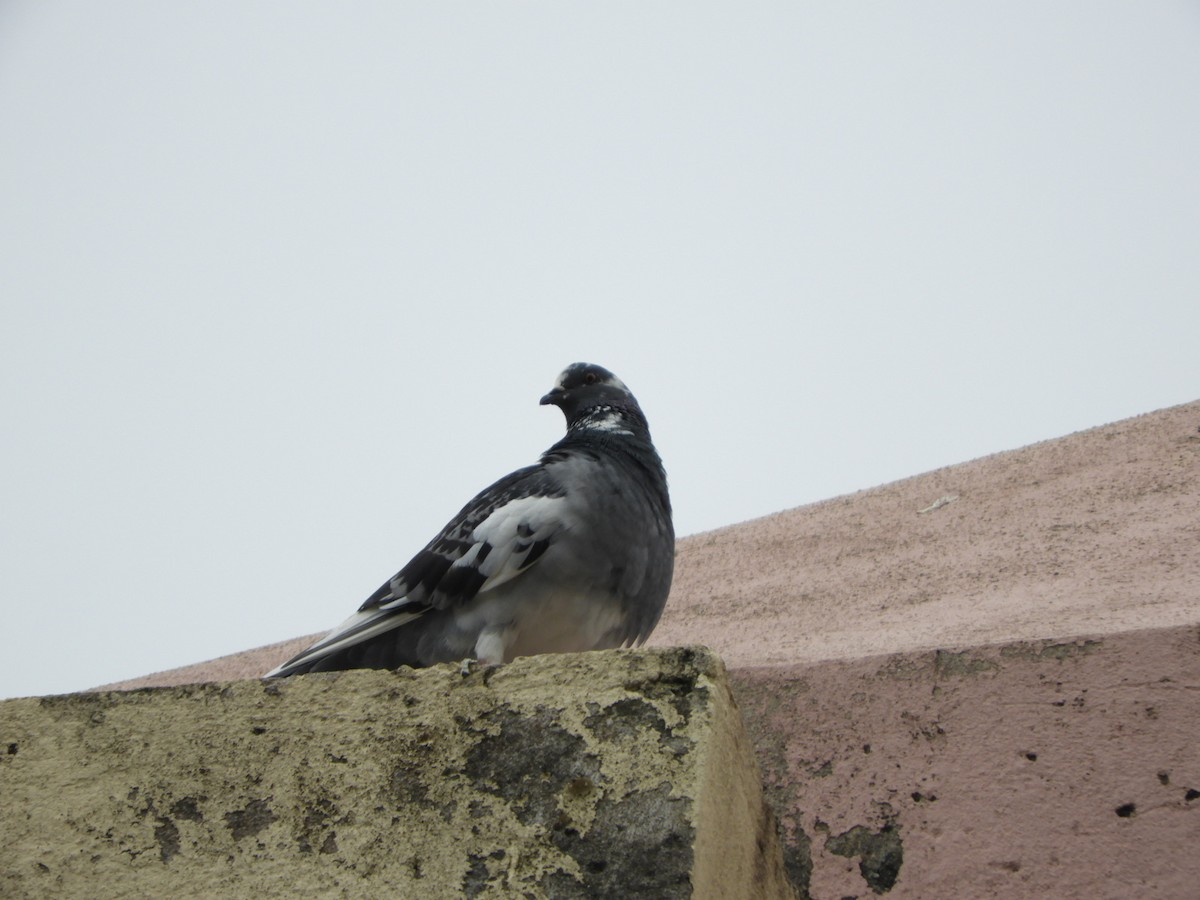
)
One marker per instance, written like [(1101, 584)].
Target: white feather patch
[(607, 420), (512, 530)]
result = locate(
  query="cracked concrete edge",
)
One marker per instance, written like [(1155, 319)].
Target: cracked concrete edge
[(625, 772)]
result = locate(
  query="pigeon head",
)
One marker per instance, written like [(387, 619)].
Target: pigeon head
[(585, 389)]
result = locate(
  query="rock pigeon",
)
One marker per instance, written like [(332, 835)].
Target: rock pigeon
[(575, 552)]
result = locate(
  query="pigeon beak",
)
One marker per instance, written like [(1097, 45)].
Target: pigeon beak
[(553, 397)]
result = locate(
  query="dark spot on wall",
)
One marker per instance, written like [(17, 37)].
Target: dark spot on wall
[(529, 762), (639, 845), (408, 787), (631, 717), (478, 874), (476, 878), (580, 788), (797, 857), (167, 835), (880, 853), (187, 808), (624, 719), (1191, 794), (1125, 810), (249, 821), (316, 827)]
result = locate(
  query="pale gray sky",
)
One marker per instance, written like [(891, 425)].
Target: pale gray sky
[(281, 283)]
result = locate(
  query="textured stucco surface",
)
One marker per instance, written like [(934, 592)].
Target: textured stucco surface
[(603, 774), (1065, 769), (1096, 532)]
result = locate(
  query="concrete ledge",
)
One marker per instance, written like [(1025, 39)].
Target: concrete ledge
[(601, 774)]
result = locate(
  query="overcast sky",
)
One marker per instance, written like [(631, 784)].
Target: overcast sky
[(281, 283)]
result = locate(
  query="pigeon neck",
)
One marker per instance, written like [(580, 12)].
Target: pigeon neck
[(609, 420)]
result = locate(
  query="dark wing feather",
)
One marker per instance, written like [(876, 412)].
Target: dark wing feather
[(452, 568), (502, 532)]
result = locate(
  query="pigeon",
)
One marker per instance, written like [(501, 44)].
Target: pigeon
[(573, 553)]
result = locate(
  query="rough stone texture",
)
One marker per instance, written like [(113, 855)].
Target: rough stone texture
[(605, 774), (1030, 769)]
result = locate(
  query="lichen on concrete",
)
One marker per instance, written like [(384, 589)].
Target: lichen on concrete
[(600, 774)]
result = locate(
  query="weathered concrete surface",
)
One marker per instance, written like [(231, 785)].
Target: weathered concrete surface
[(1031, 769), (619, 774)]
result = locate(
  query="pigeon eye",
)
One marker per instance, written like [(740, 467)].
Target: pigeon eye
[(589, 378)]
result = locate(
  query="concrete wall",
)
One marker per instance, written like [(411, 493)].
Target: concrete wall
[(1065, 769), (606, 774)]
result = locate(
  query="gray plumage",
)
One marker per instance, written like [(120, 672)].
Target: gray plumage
[(575, 552)]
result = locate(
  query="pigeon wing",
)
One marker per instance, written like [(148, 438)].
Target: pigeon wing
[(503, 531)]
